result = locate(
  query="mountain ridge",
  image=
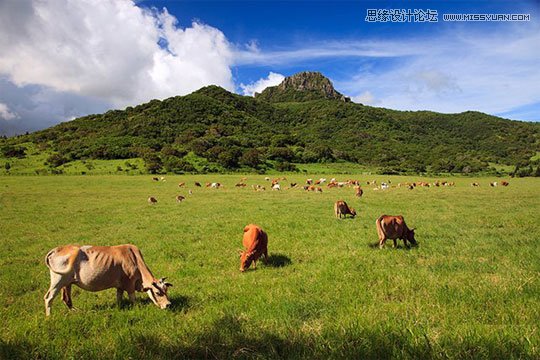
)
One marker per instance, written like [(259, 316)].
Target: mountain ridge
[(227, 131)]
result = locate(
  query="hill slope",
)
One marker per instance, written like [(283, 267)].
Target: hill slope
[(302, 120)]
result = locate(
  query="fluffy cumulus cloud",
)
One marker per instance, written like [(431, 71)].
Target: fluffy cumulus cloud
[(111, 52), (6, 113), (258, 86)]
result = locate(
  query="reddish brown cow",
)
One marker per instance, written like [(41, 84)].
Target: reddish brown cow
[(255, 243), (152, 200), (341, 208), (198, 184), (358, 192), (394, 227), (182, 184), (504, 183)]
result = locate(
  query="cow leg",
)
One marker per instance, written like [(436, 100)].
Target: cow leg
[(119, 296), (395, 243), (57, 283), (131, 297), (381, 243), (265, 253), (66, 296)]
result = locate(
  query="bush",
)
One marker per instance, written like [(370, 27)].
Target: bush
[(14, 151), (285, 166), (55, 160)]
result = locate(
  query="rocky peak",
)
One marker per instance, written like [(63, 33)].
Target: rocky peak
[(303, 86)]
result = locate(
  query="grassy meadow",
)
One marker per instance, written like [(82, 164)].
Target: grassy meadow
[(470, 290)]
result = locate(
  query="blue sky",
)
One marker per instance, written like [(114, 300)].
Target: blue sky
[(66, 59)]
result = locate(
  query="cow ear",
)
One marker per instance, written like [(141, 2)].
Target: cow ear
[(168, 284)]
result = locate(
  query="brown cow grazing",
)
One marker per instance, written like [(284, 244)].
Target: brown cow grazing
[(358, 192), (293, 185), (394, 227), (240, 184), (504, 183), (182, 184), (96, 268), (180, 198), (475, 184), (198, 184), (152, 200), (155, 179), (255, 243), (318, 189), (341, 208)]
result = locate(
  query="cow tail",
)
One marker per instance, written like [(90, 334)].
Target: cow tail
[(71, 262), (380, 231)]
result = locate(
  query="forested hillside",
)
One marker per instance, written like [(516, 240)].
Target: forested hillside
[(286, 125)]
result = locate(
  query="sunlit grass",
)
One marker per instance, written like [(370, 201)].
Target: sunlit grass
[(470, 290)]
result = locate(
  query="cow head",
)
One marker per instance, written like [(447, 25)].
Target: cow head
[(353, 212), (245, 260), (410, 237), (158, 293)]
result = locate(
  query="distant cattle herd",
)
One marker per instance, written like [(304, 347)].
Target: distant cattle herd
[(97, 268)]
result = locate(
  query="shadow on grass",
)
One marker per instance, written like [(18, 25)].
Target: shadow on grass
[(278, 260), (389, 245), (231, 337)]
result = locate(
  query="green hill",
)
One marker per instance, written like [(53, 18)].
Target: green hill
[(303, 120)]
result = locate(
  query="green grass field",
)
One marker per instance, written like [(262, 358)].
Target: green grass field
[(470, 289)]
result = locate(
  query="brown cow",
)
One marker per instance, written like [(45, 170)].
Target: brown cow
[(341, 208), (182, 184), (394, 227), (504, 183), (152, 200), (475, 184), (198, 184), (96, 268), (358, 191), (180, 198), (255, 243)]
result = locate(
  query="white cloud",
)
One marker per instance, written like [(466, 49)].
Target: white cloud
[(258, 86), (109, 50), (493, 73), (365, 98), (6, 113)]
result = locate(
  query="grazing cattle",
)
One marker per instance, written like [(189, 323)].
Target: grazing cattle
[(475, 184), (293, 185), (155, 179), (267, 178), (198, 184), (394, 227), (318, 189), (152, 200), (182, 184), (180, 198), (493, 184), (276, 187), (384, 186), (96, 268), (215, 185), (332, 185), (504, 183), (358, 192), (208, 184), (162, 178), (240, 184), (410, 187), (255, 243), (341, 208), (190, 192), (309, 182)]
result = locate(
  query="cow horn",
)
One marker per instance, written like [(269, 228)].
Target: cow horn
[(168, 284), (162, 280)]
